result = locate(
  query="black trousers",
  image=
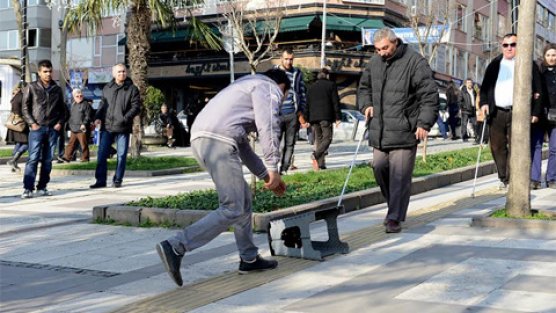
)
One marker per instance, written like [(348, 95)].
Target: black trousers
[(393, 170), (323, 131), (500, 138)]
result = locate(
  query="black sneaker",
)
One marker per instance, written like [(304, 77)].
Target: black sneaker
[(170, 260), (257, 265), (97, 185), (116, 185)]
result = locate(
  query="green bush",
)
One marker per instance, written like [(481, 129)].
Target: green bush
[(312, 186), (153, 101)]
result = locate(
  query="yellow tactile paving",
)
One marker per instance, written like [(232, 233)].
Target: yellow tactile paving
[(221, 287)]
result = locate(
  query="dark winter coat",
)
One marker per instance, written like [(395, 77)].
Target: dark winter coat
[(489, 85), (467, 103), (118, 106), (13, 136), (80, 114), (323, 102), (403, 95), (549, 79), (44, 106)]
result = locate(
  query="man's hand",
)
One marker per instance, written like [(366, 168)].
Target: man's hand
[(534, 119), (484, 110), (83, 128), (57, 127), (275, 183), (368, 113), (421, 133), (338, 123), (35, 126)]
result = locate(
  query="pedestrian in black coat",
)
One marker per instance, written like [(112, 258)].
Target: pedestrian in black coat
[(323, 110)]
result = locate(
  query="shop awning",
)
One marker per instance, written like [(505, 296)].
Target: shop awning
[(168, 35), (333, 22), (340, 23), (297, 23)]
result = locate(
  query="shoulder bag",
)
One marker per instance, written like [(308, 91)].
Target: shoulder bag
[(15, 123)]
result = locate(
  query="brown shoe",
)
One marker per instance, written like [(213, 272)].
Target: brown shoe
[(393, 227)]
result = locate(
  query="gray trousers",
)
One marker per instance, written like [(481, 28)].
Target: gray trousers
[(393, 170), (222, 162)]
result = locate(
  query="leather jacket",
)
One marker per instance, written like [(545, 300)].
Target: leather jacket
[(44, 106)]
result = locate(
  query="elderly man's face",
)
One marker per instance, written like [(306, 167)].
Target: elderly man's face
[(119, 73), (385, 48), (164, 109), (78, 97)]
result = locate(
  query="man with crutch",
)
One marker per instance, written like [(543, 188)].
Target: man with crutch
[(400, 98)]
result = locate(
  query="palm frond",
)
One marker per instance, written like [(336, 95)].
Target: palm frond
[(204, 34)]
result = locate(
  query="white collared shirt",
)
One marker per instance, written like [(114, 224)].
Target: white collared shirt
[(504, 89)]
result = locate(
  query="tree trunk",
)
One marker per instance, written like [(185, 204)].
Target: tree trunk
[(138, 43), (518, 201), (63, 63), (19, 20)]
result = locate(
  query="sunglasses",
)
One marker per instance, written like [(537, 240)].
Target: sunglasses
[(513, 44)]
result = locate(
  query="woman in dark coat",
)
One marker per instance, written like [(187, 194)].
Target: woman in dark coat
[(18, 138), (548, 69), (453, 97)]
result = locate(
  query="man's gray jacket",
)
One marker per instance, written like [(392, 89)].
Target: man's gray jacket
[(118, 106), (403, 95), (251, 103)]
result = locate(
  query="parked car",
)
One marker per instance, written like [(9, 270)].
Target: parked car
[(352, 120), (182, 117)]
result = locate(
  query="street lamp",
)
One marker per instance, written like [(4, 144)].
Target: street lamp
[(323, 37), (23, 43)]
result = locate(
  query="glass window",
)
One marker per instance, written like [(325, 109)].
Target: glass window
[(109, 40), (4, 4), (45, 38), (501, 25), (32, 38), (9, 40), (461, 17)]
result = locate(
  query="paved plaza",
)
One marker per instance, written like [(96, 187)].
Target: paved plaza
[(53, 259)]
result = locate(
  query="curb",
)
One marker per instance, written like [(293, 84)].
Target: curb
[(129, 173), (516, 223), (351, 202), (520, 224)]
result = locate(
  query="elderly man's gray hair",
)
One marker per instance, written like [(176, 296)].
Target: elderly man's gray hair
[(76, 91), (385, 32)]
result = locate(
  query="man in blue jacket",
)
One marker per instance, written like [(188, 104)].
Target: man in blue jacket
[(400, 98), (292, 111)]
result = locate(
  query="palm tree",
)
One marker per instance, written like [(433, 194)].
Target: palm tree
[(140, 16)]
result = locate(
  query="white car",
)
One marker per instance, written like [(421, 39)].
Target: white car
[(352, 121)]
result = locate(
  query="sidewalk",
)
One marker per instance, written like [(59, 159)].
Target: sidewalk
[(438, 263)]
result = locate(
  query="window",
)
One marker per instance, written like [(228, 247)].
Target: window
[(9, 40), (7, 4), (501, 25), (539, 45), (479, 25), (121, 48), (461, 18), (32, 38)]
